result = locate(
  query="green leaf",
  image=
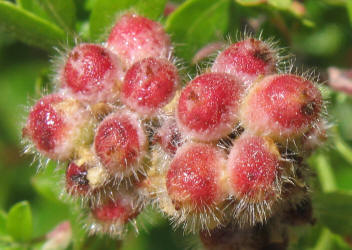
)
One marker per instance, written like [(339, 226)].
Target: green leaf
[(62, 11), (105, 11), (144, 7), (196, 23), (349, 9), (334, 211), (280, 4), (34, 7), (250, 2), (19, 221), (29, 28), (46, 183)]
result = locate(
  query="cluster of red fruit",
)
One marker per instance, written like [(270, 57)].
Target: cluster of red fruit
[(227, 148)]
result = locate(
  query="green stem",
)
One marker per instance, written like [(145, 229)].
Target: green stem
[(325, 174), (325, 240), (342, 147)]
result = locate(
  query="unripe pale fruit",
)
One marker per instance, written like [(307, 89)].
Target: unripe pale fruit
[(246, 60), (120, 143), (149, 84), (134, 38), (56, 125), (208, 106), (92, 74), (281, 106)]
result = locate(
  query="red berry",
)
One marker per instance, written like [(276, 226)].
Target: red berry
[(92, 74), (281, 106), (134, 38), (193, 180), (120, 210), (253, 167), (246, 60), (120, 143), (149, 84), (113, 213), (169, 136), (76, 179), (208, 106), (55, 125)]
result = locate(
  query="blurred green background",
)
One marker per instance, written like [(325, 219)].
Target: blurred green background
[(317, 32)]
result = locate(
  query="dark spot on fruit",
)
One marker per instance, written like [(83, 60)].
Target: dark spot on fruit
[(308, 109)]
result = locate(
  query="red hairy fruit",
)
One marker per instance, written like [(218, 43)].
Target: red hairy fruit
[(92, 74), (246, 60), (281, 106), (194, 179), (55, 125), (253, 167), (134, 38), (120, 143), (208, 106), (149, 85), (76, 179), (119, 210), (169, 136)]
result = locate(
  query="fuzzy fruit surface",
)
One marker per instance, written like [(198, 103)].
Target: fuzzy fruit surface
[(192, 179), (208, 106), (115, 210), (253, 167), (91, 73), (134, 38), (46, 126), (169, 136), (149, 84), (281, 106), (119, 142), (76, 179), (246, 60)]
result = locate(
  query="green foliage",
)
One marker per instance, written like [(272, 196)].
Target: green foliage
[(196, 23), (19, 222), (28, 27), (334, 211)]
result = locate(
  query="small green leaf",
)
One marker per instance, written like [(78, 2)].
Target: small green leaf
[(250, 2), (19, 221), (105, 11), (280, 4), (196, 23), (334, 211), (62, 11), (29, 28)]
